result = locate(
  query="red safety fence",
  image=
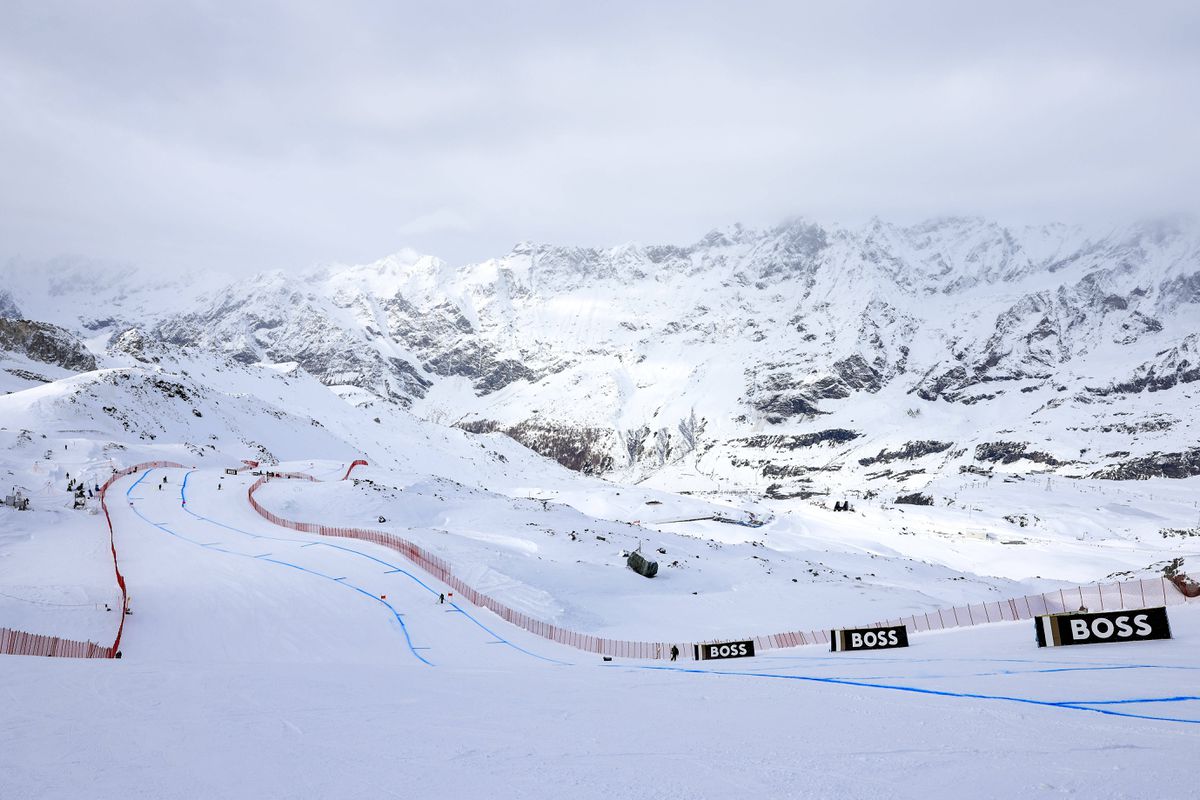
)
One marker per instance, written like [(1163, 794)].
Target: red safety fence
[(357, 463), (35, 644), (441, 570), (1099, 597), (116, 647), (21, 643), (1130, 594)]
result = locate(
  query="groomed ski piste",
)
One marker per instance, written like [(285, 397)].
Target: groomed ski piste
[(265, 662), (261, 661)]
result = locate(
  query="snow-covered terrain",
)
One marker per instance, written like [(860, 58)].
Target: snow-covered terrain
[(704, 405), (804, 360)]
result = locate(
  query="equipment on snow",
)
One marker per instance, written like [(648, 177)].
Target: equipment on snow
[(639, 564)]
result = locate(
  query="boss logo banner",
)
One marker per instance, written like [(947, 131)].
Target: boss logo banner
[(706, 652), (1138, 625), (868, 638)]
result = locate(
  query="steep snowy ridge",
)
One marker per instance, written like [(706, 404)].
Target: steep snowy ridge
[(721, 413), (678, 359)]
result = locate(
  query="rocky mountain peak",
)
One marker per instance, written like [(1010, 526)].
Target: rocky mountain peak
[(8, 306)]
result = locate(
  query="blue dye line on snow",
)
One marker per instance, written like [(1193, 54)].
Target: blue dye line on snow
[(163, 527), (396, 614), (1072, 705), (880, 659), (1075, 705), (394, 569), (1006, 672), (1180, 699)]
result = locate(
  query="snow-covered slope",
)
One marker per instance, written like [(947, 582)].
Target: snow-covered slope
[(803, 360), (266, 661), (551, 541)]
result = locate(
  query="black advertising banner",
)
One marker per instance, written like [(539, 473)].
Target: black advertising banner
[(711, 650), (1137, 625), (868, 638)]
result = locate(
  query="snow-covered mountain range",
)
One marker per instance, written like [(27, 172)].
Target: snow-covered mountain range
[(803, 360)]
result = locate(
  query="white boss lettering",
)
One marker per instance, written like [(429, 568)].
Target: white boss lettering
[(727, 650), (1102, 628), (1123, 629), (893, 638), (856, 640), (1079, 629), (1143, 627)]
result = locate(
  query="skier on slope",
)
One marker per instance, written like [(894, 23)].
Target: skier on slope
[(441, 598), (674, 652)]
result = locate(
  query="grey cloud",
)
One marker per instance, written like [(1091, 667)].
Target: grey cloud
[(255, 135)]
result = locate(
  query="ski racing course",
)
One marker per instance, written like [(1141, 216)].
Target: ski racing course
[(369, 587), (287, 665)]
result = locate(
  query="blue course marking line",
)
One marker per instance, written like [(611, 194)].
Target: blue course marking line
[(163, 527), (394, 569), (876, 658), (432, 590), (1179, 699), (360, 590), (1005, 672), (1074, 706), (1084, 705)]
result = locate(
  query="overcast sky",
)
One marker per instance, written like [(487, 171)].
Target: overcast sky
[(251, 135)]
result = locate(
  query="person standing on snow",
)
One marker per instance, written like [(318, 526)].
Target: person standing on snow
[(674, 652)]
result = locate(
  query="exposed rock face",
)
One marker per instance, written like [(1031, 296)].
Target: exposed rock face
[(586, 450), (1176, 365), (46, 343), (786, 392), (272, 321), (779, 407), (857, 375), (820, 357), (134, 342), (914, 499), (831, 436), (8, 306), (1011, 452), (1157, 465), (908, 452)]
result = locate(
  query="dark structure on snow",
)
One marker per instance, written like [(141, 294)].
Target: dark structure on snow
[(641, 565)]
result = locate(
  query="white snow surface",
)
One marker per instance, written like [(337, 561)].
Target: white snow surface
[(263, 662)]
